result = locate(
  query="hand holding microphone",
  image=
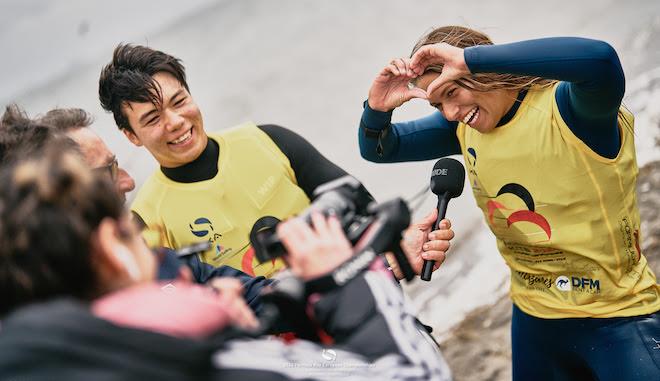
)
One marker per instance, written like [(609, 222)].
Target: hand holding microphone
[(447, 180)]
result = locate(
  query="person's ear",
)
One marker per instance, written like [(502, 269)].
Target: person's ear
[(112, 256), (132, 137)]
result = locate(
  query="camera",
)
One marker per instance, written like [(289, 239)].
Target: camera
[(367, 224), (344, 197)]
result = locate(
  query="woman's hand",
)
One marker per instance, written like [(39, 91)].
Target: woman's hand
[(451, 58), (420, 243), (390, 88), (314, 252)]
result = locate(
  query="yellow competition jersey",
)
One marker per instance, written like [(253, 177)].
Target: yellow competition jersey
[(254, 179), (565, 218)]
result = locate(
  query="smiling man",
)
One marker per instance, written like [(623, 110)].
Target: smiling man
[(208, 187)]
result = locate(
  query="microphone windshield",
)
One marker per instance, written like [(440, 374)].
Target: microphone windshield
[(448, 176)]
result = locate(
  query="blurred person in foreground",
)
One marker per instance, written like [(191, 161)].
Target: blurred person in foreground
[(80, 302)]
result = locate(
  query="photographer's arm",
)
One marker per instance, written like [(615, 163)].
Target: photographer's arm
[(252, 286)]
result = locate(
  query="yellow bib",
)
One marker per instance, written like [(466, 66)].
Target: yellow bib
[(566, 219), (254, 179)]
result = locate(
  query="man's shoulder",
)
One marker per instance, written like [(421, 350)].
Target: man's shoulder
[(242, 129), (246, 137), (150, 193)]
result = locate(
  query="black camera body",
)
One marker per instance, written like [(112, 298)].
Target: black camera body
[(371, 228), (344, 197), (367, 225)]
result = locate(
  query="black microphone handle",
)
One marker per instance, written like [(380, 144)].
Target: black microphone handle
[(443, 201)]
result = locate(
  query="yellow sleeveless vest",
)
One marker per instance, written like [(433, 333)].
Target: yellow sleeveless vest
[(254, 179), (566, 219)]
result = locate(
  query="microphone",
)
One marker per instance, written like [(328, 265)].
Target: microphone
[(447, 180)]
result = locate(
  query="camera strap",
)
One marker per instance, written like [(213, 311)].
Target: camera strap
[(343, 274)]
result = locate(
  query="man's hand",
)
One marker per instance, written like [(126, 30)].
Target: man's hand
[(420, 243), (314, 252)]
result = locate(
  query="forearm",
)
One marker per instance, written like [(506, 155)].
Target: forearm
[(422, 139), (592, 67), (252, 286), (593, 83)]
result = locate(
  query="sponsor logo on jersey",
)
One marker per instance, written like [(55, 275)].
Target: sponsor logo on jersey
[(582, 284), (521, 215), (535, 280), (578, 284), (202, 227), (563, 283)]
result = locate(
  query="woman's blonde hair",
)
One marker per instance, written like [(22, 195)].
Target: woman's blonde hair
[(463, 37)]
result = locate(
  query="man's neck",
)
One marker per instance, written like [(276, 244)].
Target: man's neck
[(205, 167)]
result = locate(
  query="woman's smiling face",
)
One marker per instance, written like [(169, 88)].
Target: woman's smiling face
[(481, 110)]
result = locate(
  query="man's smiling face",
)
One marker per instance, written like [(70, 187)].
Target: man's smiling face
[(172, 129)]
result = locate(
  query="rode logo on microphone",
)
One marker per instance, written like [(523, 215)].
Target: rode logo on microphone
[(440, 172)]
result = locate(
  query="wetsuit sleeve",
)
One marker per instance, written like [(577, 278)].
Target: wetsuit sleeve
[(374, 337), (309, 165), (382, 141), (252, 286), (592, 87)]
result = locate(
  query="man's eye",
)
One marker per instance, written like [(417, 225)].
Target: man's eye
[(179, 102), (451, 92), (152, 121)]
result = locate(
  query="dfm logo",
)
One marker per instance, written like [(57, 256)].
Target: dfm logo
[(563, 283), (524, 215), (580, 284), (585, 284)]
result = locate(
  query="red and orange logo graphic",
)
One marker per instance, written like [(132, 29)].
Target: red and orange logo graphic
[(520, 215)]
